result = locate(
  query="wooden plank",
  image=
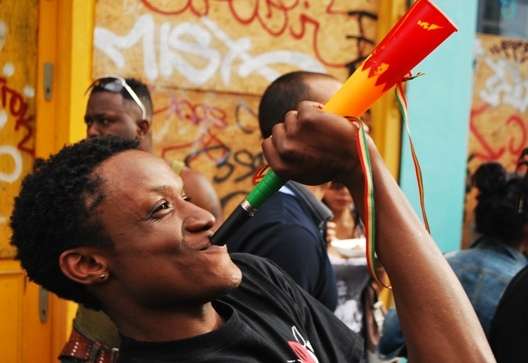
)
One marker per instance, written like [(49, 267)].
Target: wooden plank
[(235, 46), (214, 133)]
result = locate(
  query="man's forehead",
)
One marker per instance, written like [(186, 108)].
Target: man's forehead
[(105, 101), (136, 169)]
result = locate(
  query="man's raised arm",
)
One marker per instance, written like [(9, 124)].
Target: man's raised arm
[(439, 323)]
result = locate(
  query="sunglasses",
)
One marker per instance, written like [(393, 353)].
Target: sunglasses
[(116, 85)]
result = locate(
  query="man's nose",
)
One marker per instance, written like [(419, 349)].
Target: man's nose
[(199, 223)]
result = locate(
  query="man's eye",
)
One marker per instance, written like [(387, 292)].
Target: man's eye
[(158, 210), (185, 197), (103, 122)]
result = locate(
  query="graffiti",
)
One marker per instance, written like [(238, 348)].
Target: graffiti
[(202, 128), (245, 127), (17, 159), (243, 161), (197, 8), (280, 17), (506, 86), (195, 40), (516, 130), (207, 120), (14, 102), (363, 44), (243, 158), (513, 49)]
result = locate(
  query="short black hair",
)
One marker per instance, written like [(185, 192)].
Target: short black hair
[(55, 211), (141, 90), (502, 203), (283, 95)]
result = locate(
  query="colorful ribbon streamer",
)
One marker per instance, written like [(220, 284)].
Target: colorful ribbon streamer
[(369, 218), (402, 103)]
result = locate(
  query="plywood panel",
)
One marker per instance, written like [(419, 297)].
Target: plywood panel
[(230, 45), (18, 52), (214, 133), (210, 60), (499, 115)]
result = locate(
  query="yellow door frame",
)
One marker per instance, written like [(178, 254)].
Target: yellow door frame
[(65, 39), (386, 118)]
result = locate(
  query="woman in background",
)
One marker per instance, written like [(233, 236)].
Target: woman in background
[(357, 295)]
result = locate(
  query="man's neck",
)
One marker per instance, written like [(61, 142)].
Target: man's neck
[(160, 325)]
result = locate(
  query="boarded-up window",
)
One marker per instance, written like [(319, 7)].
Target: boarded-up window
[(208, 61)]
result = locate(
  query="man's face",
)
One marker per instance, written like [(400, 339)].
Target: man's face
[(161, 254), (108, 113)]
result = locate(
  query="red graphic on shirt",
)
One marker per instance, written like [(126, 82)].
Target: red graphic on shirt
[(301, 352)]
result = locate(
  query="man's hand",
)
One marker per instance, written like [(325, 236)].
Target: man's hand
[(312, 146)]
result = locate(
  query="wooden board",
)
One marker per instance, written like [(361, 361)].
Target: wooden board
[(18, 54), (216, 134), (208, 61), (230, 45), (499, 115)]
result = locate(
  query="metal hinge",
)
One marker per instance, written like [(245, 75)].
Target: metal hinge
[(43, 304), (48, 81)]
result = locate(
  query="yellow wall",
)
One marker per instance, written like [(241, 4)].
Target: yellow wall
[(64, 40)]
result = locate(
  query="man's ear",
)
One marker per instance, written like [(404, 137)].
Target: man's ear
[(84, 265), (143, 127)]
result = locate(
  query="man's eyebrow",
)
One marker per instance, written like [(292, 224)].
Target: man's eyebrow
[(97, 115), (162, 189), (166, 190)]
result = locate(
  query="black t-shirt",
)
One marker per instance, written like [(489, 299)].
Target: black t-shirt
[(287, 232), (267, 319), (509, 327)]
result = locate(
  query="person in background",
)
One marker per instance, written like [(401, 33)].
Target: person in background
[(123, 107), (289, 228), (494, 258), (509, 327), (358, 304), (346, 222)]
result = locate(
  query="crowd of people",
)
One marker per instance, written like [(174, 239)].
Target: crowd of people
[(108, 224)]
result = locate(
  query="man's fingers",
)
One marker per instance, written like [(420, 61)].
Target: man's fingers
[(291, 123), (283, 143), (273, 157)]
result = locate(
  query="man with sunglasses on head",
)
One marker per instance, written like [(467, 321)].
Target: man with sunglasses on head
[(123, 107)]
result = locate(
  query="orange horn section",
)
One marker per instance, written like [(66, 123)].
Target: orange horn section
[(423, 28)]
